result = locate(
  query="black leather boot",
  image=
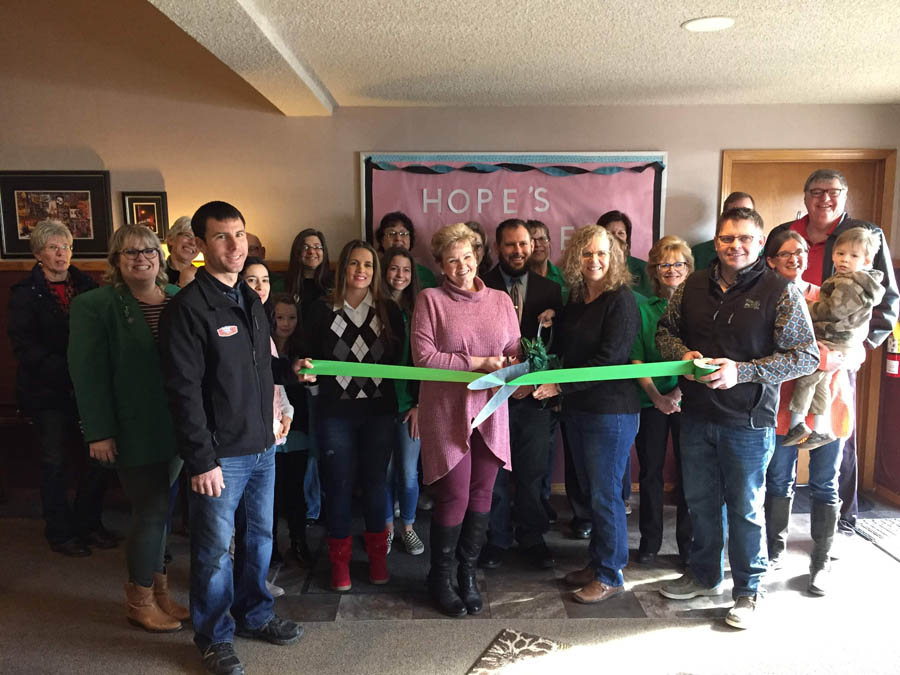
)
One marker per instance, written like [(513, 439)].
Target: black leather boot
[(443, 548), (823, 520), (471, 539), (778, 521)]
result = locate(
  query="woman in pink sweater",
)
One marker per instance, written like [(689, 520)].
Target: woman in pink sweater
[(461, 325)]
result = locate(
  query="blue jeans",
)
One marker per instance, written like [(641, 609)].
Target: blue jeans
[(600, 445), (824, 466), (220, 590), (403, 474), (312, 490), (351, 448), (725, 465)]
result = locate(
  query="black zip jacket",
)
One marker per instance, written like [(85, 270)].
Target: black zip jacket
[(219, 373), (884, 314), (38, 330)]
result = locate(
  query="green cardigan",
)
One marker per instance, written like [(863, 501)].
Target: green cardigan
[(115, 368)]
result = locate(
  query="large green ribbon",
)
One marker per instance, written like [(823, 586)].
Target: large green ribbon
[(559, 376)]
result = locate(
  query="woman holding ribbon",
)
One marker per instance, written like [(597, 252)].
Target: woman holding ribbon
[(670, 262), (356, 324), (460, 325), (599, 325)]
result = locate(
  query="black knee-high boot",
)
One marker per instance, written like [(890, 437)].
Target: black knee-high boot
[(443, 549), (471, 540)]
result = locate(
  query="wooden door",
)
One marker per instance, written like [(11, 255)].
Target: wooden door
[(775, 179)]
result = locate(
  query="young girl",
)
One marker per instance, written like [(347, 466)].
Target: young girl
[(403, 287), (256, 276), (354, 418), (293, 456)]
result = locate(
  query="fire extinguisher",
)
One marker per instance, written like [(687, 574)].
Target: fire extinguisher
[(892, 363)]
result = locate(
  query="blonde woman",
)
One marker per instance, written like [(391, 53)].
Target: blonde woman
[(599, 325)]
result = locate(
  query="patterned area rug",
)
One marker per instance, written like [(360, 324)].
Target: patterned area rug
[(511, 646), (883, 532)]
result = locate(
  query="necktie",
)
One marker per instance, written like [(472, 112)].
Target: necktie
[(515, 292)]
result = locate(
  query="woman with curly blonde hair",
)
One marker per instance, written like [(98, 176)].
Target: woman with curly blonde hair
[(600, 418)]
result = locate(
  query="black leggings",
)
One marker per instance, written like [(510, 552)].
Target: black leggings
[(148, 489)]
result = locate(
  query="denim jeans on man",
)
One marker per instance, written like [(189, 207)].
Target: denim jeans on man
[(57, 430), (220, 590), (824, 466), (403, 473), (600, 446), (351, 448), (724, 465)]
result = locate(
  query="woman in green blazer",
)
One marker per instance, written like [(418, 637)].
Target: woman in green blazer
[(114, 365)]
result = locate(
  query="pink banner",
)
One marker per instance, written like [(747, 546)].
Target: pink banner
[(562, 202)]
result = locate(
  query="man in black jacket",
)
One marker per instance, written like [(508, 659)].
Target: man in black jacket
[(757, 325), (214, 337), (825, 197), (534, 297)]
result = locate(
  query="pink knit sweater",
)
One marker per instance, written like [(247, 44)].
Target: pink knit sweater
[(450, 324)]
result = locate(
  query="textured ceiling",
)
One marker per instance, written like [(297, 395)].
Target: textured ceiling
[(311, 56)]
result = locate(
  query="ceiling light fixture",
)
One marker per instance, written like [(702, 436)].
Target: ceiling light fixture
[(708, 24)]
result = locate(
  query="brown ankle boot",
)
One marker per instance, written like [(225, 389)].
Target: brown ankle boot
[(143, 611), (165, 601)]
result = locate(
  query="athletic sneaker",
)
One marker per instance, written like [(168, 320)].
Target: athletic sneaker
[(686, 587), (741, 615), (797, 435), (817, 440), (412, 543)]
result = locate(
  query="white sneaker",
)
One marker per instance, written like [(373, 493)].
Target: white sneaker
[(274, 591), (742, 614)]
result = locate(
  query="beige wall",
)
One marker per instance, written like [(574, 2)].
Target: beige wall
[(162, 113)]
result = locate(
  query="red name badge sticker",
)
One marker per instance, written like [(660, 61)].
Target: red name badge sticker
[(227, 331)]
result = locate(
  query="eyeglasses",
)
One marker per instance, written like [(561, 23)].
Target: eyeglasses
[(834, 193), (787, 255), (403, 234), (312, 247), (667, 266), (134, 253), (541, 240), (729, 238), (56, 248)]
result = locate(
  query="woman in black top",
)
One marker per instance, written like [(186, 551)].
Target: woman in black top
[(599, 325), (309, 274), (354, 424)]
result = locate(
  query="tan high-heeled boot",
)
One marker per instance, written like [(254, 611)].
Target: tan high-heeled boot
[(165, 601), (143, 611)]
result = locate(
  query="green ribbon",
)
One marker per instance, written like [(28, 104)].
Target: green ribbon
[(697, 368)]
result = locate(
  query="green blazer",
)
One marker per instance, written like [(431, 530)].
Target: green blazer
[(114, 366)]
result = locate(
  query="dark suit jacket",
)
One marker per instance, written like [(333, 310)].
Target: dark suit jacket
[(541, 294)]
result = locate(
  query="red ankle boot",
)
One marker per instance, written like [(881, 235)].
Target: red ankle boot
[(339, 551), (376, 547)]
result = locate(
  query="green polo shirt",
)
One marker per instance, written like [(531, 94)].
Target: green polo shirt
[(704, 253), (555, 274), (426, 277), (638, 269), (644, 347)]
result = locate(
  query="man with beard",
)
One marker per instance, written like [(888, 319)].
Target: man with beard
[(536, 300)]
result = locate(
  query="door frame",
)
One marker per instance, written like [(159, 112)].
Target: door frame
[(868, 381)]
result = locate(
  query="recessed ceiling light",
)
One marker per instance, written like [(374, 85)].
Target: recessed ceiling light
[(708, 24)]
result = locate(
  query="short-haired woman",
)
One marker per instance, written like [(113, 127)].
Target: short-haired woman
[(115, 367), (599, 325), (182, 251), (460, 325), (39, 332), (670, 262), (354, 424)]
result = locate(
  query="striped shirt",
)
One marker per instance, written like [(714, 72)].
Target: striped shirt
[(151, 314)]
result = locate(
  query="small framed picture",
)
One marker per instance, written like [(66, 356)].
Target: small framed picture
[(80, 200), (147, 208)]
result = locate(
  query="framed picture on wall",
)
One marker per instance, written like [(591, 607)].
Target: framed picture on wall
[(80, 200), (148, 208)]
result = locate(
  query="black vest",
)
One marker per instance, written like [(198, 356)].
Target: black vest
[(740, 325)]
